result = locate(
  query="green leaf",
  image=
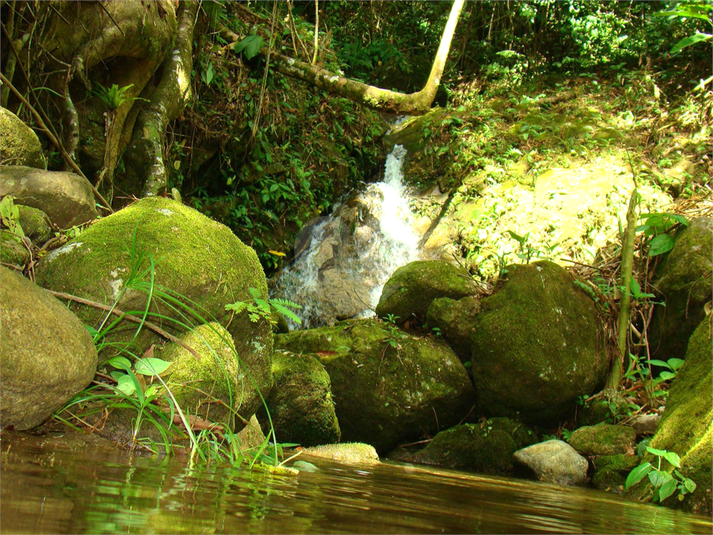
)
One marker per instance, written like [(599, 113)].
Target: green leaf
[(250, 46), (661, 244), (667, 376), (237, 307), (667, 489), (689, 484), (673, 458), (151, 366), (126, 384), (675, 364), (658, 478), (637, 474), (661, 363), (654, 451), (286, 312), (691, 40), (120, 363)]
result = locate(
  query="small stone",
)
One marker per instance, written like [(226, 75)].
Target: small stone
[(554, 461)]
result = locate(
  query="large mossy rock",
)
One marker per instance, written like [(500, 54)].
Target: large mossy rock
[(486, 447), (687, 423), (19, 145), (66, 198), (46, 355), (537, 345), (389, 388), (201, 262), (604, 439), (300, 404), (454, 321), (413, 287), (685, 280)]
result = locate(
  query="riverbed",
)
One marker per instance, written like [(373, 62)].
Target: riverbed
[(75, 484)]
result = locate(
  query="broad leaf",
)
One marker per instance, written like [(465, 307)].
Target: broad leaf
[(126, 384), (661, 244), (250, 46), (658, 478), (120, 363), (654, 451), (691, 40), (667, 489), (151, 366), (675, 364), (673, 458), (637, 474)]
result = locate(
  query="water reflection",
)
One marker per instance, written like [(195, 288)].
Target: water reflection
[(45, 489)]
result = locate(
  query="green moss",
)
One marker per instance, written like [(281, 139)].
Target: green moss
[(387, 395), (486, 447), (604, 439), (300, 404), (413, 287), (354, 452), (537, 345)]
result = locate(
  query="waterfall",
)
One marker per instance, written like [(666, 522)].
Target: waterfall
[(351, 254)]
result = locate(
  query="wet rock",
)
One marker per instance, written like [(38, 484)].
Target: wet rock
[(35, 224), (413, 287), (554, 461), (487, 447), (47, 355), (685, 281), (603, 439), (347, 453), (537, 345), (685, 426), (66, 198), (200, 261), (646, 424), (12, 251), (19, 145), (454, 320), (300, 403), (388, 387)]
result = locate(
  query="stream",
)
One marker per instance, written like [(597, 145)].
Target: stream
[(54, 485)]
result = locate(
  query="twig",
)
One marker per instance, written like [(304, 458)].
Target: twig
[(128, 317), (55, 141), (112, 18)]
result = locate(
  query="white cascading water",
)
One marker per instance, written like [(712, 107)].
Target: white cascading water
[(352, 253)]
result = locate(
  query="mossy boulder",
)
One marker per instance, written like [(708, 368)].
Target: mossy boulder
[(537, 345), (35, 224), (353, 452), (454, 320), (684, 279), (485, 447), (208, 386), (610, 471), (198, 261), (686, 426), (66, 198), (46, 355), (300, 404), (603, 439), (19, 145), (413, 287), (12, 251), (389, 387)]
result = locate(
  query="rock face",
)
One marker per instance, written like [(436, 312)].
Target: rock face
[(554, 461), (389, 388), (195, 259), (684, 280), (413, 287), (603, 439), (454, 319), (66, 198), (47, 355), (536, 345), (35, 224), (487, 448), (300, 404), (19, 144), (207, 386), (686, 425)]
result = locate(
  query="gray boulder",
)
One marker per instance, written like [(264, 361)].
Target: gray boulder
[(47, 355), (66, 198), (19, 145), (537, 345), (684, 279), (413, 287), (554, 461)]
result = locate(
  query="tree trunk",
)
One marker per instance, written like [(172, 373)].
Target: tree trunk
[(144, 156), (375, 97)]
